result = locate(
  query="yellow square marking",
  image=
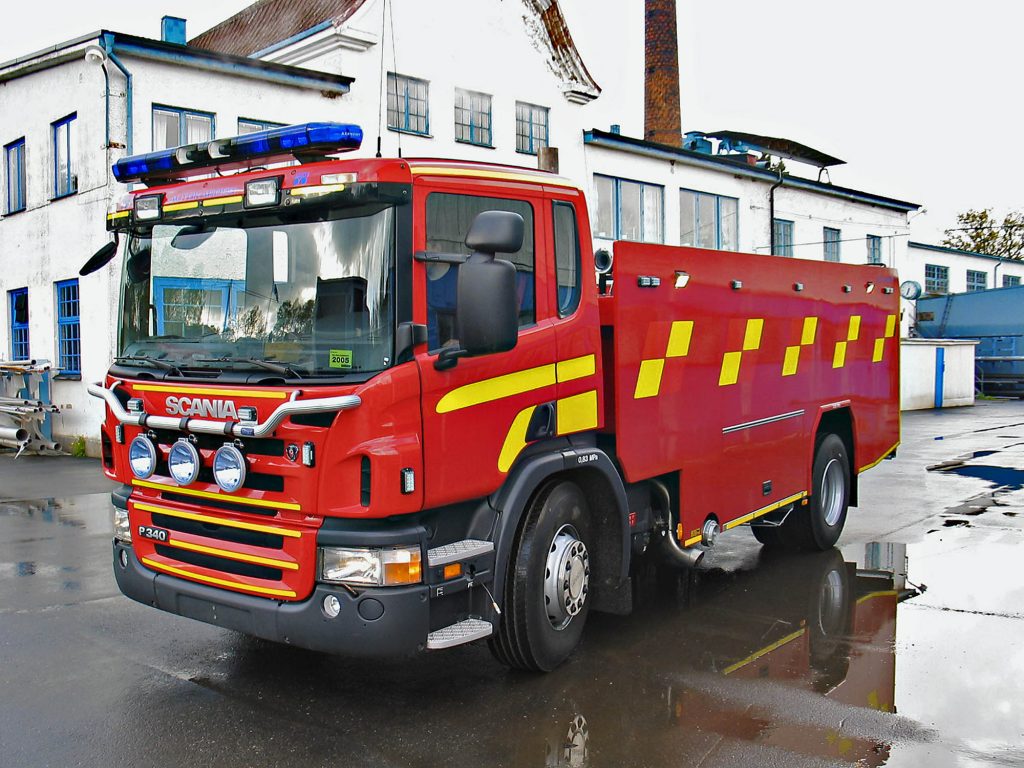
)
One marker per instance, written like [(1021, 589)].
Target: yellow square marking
[(839, 358), (648, 382), (890, 326), (679, 338), (791, 362), (810, 330), (854, 331), (730, 368), (576, 368), (752, 336), (879, 351), (577, 413)]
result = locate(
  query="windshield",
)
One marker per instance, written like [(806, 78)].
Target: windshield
[(305, 298)]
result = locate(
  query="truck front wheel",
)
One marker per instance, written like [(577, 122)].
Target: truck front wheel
[(547, 588)]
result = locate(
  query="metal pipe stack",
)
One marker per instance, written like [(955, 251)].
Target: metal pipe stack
[(23, 412)]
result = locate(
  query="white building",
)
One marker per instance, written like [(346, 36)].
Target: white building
[(483, 80)]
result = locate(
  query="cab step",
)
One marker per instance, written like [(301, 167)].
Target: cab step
[(465, 631), (466, 549)]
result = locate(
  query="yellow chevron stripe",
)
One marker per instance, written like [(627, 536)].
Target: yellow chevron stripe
[(515, 440), (226, 553), (218, 520), (222, 200), (219, 496), (188, 392), (219, 582)]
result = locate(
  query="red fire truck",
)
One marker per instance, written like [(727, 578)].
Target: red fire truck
[(374, 406)]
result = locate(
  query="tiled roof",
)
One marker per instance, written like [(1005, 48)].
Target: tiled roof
[(270, 21)]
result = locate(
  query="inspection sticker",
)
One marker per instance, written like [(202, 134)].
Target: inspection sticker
[(340, 358)]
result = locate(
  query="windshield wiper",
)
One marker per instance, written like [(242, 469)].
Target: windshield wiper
[(155, 362), (270, 365)]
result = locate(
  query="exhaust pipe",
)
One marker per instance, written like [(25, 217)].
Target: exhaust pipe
[(668, 547), (16, 434)]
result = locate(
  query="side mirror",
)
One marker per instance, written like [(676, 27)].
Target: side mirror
[(100, 259), (487, 317)]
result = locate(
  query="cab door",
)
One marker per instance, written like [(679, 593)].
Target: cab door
[(476, 414)]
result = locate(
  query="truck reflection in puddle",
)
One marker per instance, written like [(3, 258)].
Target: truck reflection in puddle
[(794, 657)]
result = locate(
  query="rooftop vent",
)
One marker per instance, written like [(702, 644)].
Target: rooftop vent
[(172, 30)]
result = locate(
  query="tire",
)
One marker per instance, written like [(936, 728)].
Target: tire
[(829, 622), (537, 631), (818, 524)]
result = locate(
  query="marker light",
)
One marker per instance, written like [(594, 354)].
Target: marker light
[(142, 457), (266, 147), (229, 468), (183, 462), (371, 567), (147, 207), (262, 192)]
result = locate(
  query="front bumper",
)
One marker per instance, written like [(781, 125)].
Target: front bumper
[(393, 621)]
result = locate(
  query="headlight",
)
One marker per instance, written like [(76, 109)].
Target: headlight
[(229, 468), (122, 528), (183, 462), (371, 567), (142, 457)]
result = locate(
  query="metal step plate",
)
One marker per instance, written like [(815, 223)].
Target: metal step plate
[(464, 632), (459, 550)]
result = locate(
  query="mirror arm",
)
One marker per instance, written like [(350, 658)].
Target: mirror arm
[(448, 358), (433, 257)]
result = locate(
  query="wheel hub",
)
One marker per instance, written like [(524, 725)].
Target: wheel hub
[(566, 577), (832, 492)]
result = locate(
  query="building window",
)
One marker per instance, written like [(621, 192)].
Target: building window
[(14, 164), (65, 182), (782, 237), (18, 301), (408, 109), (831, 237), (1011, 281), (173, 127), (629, 210), (472, 117), (531, 127), (567, 258), (976, 280), (246, 125), (448, 219), (936, 279), (69, 340), (708, 221), (191, 307), (874, 249)]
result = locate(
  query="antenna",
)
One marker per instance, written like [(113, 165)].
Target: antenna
[(394, 57), (380, 104)]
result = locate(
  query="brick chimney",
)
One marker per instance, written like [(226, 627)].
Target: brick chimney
[(662, 121)]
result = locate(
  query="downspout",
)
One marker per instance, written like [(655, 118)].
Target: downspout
[(771, 211), (108, 46)]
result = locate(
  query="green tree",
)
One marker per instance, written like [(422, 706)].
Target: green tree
[(981, 232)]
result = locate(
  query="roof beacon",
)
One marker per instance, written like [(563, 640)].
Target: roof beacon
[(303, 141)]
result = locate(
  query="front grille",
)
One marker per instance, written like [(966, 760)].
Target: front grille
[(230, 506), (219, 532), (219, 563), (257, 446)]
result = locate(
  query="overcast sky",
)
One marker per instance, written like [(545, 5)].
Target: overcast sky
[(922, 98)]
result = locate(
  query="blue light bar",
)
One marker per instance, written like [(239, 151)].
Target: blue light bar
[(263, 147)]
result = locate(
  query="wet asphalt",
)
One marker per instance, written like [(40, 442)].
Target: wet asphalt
[(903, 647)]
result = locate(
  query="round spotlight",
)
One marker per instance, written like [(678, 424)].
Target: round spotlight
[(229, 468), (332, 607), (142, 457), (183, 462)]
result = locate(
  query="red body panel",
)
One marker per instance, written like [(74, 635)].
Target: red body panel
[(694, 407)]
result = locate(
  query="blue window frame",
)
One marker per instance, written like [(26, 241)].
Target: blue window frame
[(831, 238), (65, 180), (69, 336), (874, 249), (245, 125), (174, 126), (189, 307), (976, 280), (782, 237), (18, 302), (473, 117), (14, 165), (629, 210), (531, 128), (708, 221), (408, 104), (1011, 281)]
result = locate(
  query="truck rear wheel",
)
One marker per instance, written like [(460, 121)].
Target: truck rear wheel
[(547, 587), (818, 524)]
